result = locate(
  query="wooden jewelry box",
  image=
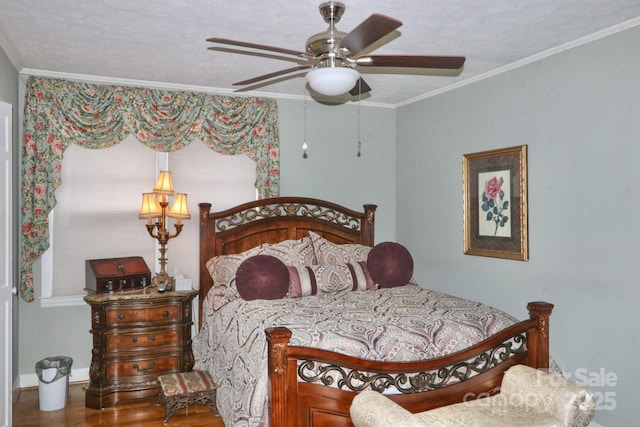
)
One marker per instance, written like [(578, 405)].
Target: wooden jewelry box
[(116, 274)]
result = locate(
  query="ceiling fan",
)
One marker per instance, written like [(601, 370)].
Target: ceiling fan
[(333, 57)]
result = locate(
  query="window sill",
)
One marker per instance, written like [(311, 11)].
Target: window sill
[(66, 301)]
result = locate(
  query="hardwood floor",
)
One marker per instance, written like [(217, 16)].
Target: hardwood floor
[(139, 413)]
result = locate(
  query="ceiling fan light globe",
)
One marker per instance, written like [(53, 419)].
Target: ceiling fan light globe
[(332, 81)]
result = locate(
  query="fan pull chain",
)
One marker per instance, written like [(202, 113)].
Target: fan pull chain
[(359, 139), (304, 141), (359, 102)]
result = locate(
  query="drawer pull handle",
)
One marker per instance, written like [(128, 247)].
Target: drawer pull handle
[(142, 371), (134, 339), (165, 313), (120, 316), (153, 337)]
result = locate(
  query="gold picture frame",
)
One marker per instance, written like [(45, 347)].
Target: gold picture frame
[(495, 203)]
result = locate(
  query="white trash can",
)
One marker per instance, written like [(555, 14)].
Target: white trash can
[(53, 382)]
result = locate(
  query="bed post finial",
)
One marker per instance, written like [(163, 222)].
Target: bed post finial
[(538, 339)]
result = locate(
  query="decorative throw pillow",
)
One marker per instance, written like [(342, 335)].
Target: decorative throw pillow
[(223, 268), (262, 277), (322, 279), (291, 252), (331, 253), (390, 265)]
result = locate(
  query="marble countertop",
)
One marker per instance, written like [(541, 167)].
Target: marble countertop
[(147, 293)]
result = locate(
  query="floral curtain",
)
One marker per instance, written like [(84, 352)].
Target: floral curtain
[(60, 112)]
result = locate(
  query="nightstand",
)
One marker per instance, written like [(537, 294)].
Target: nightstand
[(137, 336)]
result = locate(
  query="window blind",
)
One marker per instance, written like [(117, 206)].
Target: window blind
[(96, 215)]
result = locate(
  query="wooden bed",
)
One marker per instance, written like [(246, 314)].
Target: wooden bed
[(300, 399)]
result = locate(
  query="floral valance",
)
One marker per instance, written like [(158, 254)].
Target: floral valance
[(61, 112)]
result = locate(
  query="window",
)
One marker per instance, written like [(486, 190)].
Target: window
[(96, 215)]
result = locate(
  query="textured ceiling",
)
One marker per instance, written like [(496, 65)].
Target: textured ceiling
[(163, 41)]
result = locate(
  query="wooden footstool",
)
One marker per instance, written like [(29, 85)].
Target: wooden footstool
[(186, 388)]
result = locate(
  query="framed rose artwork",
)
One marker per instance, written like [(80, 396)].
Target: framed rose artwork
[(495, 203)]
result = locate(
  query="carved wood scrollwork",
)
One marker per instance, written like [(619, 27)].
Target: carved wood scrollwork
[(371, 216), (287, 209), (330, 375), (541, 311), (280, 358), (95, 370), (543, 327)]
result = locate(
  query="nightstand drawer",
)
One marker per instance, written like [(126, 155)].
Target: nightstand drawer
[(137, 368), (120, 315), (141, 341)]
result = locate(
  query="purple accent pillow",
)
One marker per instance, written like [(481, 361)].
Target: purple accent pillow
[(390, 264), (262, 277)]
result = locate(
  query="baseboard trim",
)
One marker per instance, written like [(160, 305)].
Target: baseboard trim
[(16, 391), (31, 380)]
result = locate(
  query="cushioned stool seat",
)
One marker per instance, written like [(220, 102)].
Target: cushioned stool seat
[(186, 388)]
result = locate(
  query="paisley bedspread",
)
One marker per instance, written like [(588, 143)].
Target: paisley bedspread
[(406, 323)]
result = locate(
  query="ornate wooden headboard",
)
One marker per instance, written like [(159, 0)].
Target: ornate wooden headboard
[(273, 220)]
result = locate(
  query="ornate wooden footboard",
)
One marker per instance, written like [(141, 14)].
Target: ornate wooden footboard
[(313, 387)]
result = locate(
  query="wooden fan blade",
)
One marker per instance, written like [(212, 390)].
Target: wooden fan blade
[(368, 32), (271, 75), (259, 46), (411, 61), (360, 88)]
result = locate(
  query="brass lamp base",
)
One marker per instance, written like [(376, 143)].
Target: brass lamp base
[(163, 282)]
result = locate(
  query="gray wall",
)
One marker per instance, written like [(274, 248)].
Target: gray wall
[(331, 171), (9, 94), (579, 114)]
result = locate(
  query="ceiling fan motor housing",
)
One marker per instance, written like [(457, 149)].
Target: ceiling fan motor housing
[(325, 43)]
